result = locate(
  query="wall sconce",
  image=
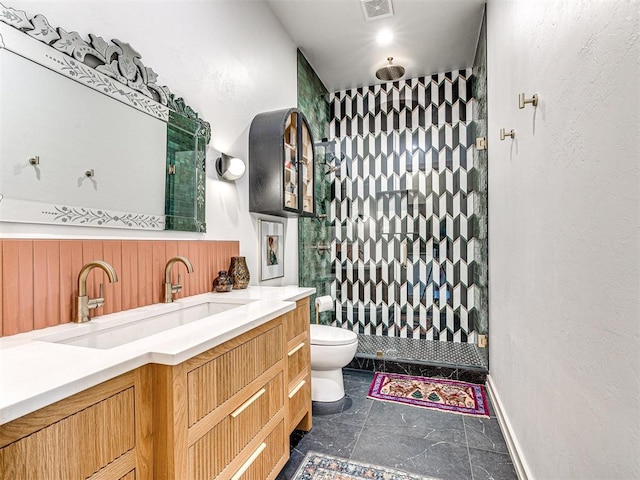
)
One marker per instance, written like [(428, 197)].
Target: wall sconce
[(230, 168)]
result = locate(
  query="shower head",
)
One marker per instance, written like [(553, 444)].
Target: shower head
[(390, 72)]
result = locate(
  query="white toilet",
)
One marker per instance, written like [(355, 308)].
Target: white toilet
[(331, 349)]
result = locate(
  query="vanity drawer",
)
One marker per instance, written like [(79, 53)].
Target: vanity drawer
[(216, 380), (211, 453), (266, 460), (299, 401), (297, 321), (298, 359)]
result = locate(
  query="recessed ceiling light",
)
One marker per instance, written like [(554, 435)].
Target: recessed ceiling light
[(385, 37)]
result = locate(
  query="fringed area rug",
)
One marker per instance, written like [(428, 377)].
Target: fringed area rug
[(317, 466), (435, 393)]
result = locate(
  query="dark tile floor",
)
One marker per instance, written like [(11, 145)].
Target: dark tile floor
[(427, 442)]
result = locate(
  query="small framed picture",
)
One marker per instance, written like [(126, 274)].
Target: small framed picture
[(271, 250)]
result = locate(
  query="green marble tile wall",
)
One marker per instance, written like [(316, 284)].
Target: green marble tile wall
[(315, 263), (480, 159)]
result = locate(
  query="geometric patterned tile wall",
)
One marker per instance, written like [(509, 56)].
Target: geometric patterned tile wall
[(403, 206)]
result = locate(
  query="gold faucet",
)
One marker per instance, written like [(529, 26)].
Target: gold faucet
[(169, 288), (85, 303)]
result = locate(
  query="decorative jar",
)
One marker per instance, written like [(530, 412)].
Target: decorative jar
[(239, 273), (222, 282)]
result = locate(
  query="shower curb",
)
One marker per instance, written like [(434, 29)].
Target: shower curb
[(419, 368)]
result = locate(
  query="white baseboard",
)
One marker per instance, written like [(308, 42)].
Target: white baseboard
[(515, 450)]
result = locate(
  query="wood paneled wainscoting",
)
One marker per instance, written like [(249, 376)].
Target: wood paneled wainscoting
[(40, 277)]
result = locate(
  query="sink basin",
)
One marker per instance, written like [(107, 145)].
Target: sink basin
[(135, 330)]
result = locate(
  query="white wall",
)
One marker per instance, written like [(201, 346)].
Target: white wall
[(230, 60), (564, 242)]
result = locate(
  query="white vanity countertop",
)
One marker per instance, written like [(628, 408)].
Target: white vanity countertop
[(36, 373)]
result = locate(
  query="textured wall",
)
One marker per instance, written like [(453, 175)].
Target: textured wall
[(564, 255), (406, 175), (230, 60)]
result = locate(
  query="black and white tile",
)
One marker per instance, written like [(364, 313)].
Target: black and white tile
[(405, 181)]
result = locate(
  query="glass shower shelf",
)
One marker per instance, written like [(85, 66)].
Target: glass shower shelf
[(406, 191), (391, 234)]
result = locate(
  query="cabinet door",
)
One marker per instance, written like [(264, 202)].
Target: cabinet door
[(291, 163), (93, 432), (306, 170)]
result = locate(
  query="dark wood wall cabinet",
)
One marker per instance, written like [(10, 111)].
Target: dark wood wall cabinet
[(281, 164)]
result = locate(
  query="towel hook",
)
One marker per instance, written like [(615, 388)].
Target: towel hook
[(523, 101), (504, 134)]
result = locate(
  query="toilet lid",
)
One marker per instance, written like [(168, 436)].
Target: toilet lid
[(326, 335)]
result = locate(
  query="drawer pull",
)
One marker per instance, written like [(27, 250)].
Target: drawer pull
[(246, 404), (295, 349), (250, 460), (297, 387)]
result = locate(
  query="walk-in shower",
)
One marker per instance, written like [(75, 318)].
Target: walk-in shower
[(404, 215), (400, 242)]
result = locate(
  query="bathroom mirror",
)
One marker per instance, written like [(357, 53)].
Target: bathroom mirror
[(88, 138)]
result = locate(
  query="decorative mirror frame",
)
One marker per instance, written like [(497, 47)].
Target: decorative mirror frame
[(116, 70)]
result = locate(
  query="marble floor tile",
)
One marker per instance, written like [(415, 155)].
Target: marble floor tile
[(417, 440), (444, 460), (351, 410), (332, 438), (356, 388), (485, 434), (398, 419), (491, 466)]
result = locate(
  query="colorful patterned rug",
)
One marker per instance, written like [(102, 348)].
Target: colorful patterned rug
[(317, 466), (435, 393)]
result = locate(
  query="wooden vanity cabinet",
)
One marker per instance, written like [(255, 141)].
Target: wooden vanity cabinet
[(298, 367), (233, 407), (224, 414), (101, 433)]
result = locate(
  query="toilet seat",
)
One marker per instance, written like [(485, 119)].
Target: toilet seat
[(326, 335)]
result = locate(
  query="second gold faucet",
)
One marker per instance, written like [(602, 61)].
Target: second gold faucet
[(84, 303), (169, 288)]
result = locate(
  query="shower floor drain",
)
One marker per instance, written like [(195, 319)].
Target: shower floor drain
[(419, 351)]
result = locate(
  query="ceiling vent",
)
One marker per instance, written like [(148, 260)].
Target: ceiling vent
[(376, 9)]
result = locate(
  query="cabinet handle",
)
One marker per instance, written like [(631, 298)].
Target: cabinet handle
[(295, 349), (246, 404), (297, 387), (249, 461)]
